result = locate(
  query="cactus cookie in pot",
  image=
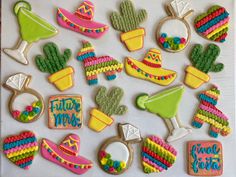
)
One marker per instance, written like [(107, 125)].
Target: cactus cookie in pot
[(127, 21), (54, 63), (108, 105), (203, 62)]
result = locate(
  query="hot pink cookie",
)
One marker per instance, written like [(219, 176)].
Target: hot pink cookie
[(82, 20), (66, 154)]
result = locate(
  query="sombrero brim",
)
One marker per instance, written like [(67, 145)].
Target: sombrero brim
[(76, 164), (157, 75), (87, 27)]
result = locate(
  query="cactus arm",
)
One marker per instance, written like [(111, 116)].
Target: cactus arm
[(121, 110), (41, 64), (117, 21), (217, 67), (101, 95), (142, 15), (195, 54)]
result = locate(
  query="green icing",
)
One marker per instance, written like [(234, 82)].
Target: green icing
[(33, 27), (165, 103)]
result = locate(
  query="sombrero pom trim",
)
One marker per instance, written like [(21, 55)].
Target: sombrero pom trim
[(157, 155)]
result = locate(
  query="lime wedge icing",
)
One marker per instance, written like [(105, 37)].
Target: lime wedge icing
[(140, 101), (21, 4)]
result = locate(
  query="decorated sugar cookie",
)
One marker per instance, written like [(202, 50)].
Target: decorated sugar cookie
[(32, 29), (150, 68), (21, 149), (81, 20), (203, 61), (115, 155), (127, 21), (214, 24), (157, 155), (25, 104), (165, 104), (94, 65), (173, 31), (205, 158), (66, 154), (108, 104), (54, 63), (65, 112), (208, 112)]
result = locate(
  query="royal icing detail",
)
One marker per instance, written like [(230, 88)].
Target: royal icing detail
[(82, 20), (214, 24), (205, 158), (65, 112), (108, 104), (203, 61), (32, 29), (95, 65), (21, 149), (165, 105), (127, 21), (150, 68), (157, 155), (66, 154), (54, 63), (208, 112)]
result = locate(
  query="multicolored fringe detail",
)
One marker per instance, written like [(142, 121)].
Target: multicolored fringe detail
[(157, 155), (30, 112), (63, 161), (109, 165), (20, 149), (207, 112), (96, 65), (214, 24)]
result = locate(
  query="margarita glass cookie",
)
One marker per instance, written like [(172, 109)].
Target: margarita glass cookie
[(214, 24), (165, 104), (81, 20), (65, 112), (127, 21), (21, 149), (54, 63), (150, 68), (32, 29), (203, 62), (208, 112), (33, 101), (173, 31), (157, 156), (205, 158), (95, 65), (66, 154), (108, 104), (115, 155)]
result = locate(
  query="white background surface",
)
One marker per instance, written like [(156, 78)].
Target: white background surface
[(110, 44)]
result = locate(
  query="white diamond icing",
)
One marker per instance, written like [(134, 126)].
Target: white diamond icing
[(17, 81), (130, 132), (180, 7)]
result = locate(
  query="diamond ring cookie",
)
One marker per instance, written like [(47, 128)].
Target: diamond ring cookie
[(150, 68), (214, 24), (165, 104), (108, 104), (208, 113), (21, 149), (94, 65), (65, 112), (205, 158), (82, 20), (24, 96), (173, 32), (127, 21), (115, 155), (157, 156), (54, 63), (32, 29), (66, 154)]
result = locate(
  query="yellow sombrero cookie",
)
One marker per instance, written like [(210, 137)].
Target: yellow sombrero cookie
[(150, 68)]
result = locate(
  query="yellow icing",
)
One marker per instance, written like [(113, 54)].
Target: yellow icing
[(217, 30), (23, 151)]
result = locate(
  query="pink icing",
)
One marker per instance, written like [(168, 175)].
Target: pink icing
[(153, 164), (221, 23), (20, 147), (98, 60), (213, 111)]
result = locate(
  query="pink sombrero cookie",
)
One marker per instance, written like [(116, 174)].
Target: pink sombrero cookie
[(82, 20), (66, 154)]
